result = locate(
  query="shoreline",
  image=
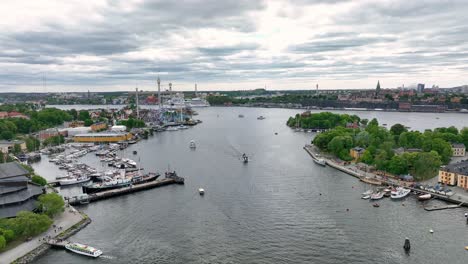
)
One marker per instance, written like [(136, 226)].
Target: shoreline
[(461, 201), (23, 255)]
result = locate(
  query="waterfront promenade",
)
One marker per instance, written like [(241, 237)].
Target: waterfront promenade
[(67, 219), (458, 197)]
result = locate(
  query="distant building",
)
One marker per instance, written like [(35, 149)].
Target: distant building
[(13, 115), (76, 123), (51, 132), (353, 125), (458, 149), (102, 137), (356, 152), (98, 127), (6, 146), (420, 88), (16, 192)]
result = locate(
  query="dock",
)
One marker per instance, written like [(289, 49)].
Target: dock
[(121, 191), (57, 243), (443, 207)]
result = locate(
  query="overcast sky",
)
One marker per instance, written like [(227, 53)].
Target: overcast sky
[(105, 45)]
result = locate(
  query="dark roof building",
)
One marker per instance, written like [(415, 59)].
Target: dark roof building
[(16, 192)]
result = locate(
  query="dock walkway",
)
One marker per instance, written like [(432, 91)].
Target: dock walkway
[(121, 191)]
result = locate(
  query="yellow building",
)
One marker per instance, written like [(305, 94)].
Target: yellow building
[(98, 126), (455, 174), (102, 137), (463, 181), (458, 150), (356, 152), (447, 177)]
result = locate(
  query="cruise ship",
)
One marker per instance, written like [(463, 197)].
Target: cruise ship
[(196, 102)]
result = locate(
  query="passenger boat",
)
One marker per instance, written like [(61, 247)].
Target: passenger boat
[(173, 175), (320, 162), (106, 185), (377, 196), (71, 181), (399, 193), (424, 197), (138, 179), (192, 144), (83, 250)]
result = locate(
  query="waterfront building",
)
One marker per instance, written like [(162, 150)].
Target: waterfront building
[(458, 149), (455, 173), (17, 193), (76, 123), (356, 152), (51, 132), (98, 126), (12, 115), (6, 146), (102, 137)]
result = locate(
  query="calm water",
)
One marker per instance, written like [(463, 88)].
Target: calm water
[(267, 211)]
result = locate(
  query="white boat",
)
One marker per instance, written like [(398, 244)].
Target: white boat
[(365, 197), (424, 197), (183, 127), (201, 191), (83, 250), (368, 192), (71, 181), (399, 193), (320, 162), (192, 144), (172, 128), (197, 102), (377, 195)]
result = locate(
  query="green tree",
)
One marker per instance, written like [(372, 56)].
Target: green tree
[(443, 148), (8, 234), (32, 144), (51, 204), (2, 242), (398, 165), (88, 122), (29, 224), (38, 180), (16, 149), (340, 143), (397, 129), (364, 121), (83, 115), (426, 165)]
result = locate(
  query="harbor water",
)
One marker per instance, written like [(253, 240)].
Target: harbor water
[(280, 207)]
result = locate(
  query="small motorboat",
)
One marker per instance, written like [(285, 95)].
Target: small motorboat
[(192, 144), (135, 152), (320, 162), (377, 196), (368, 192), (365, 197), (376, 205), (201, 191), (424, 197), (260, 117), (245, 158)]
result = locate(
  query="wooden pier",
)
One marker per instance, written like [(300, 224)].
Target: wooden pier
[(121, 191)]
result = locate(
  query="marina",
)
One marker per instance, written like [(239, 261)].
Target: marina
[(266, 193)]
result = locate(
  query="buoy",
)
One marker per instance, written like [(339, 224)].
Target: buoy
[(320, 193), (347, 209), (431, 231), (407, 245), (466, 214), (466, 247)]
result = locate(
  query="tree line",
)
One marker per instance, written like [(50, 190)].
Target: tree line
[(323, 120)]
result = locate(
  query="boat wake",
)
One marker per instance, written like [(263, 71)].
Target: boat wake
[(107, 257)]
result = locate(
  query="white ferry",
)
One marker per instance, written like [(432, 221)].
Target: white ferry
[(83, 250)]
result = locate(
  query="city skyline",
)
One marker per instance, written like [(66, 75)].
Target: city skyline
[(53, 46)]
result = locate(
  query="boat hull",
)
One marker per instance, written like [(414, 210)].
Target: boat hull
[(95, 189)]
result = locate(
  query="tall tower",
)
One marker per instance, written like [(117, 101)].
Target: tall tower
[(136, 101), (170, 87), (196, 92), (377, 89), (159, 92)]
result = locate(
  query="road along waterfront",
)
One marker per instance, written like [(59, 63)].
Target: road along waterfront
[(281, 207)]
